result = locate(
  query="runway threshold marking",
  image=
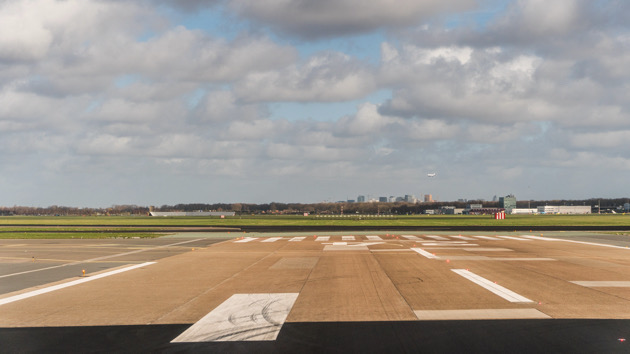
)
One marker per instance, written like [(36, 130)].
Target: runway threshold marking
[(374, 238), (100, 258), (488, 238), (425, 253), (494, 288), (246, 239), (411, 237), (322, 238), (71, 283), (348, 238), (272, 239), (464, 238), (242, 317), (297, 239), (435, 237)]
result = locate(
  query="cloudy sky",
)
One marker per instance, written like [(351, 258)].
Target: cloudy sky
[(160, 102)]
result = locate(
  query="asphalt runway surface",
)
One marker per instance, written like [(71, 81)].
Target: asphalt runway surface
[(334, 292)]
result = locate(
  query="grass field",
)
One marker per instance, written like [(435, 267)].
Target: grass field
[(71, 223)]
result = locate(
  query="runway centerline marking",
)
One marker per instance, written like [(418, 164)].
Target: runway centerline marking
[(100, 258), (494, 288), (69, 284), (242, 317)]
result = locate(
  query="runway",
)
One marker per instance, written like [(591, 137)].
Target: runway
[(364, 292)]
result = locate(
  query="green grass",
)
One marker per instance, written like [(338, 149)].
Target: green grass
[(354, 220)]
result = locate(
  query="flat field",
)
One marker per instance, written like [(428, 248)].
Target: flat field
[(347, 220)]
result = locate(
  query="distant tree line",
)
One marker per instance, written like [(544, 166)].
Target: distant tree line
[(396, 208)]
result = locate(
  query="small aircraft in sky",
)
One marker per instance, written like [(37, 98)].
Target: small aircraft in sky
[(431, 174)]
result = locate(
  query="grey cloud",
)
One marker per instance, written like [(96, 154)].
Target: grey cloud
[(328, 18), (326, 77)]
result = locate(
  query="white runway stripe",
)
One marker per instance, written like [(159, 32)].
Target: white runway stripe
[(322, 238), (538, 238), (463, 238), (488, 238), (479, 314), (411, 237), (514, 238), (242, 317), (374, 238), (246, 239), (435, 237), (272, 239), (425, 253), (297, 239), (507, 294), (347, 238), (603, 284), (69, 284)]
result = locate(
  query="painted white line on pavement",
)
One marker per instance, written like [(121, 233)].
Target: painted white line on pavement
[(69, 284), (297, 239), (425, 253), (479, 314), (435, 237), (101, 258), (463, 238), (488, 238), (322, 238), (374, 238), (494, 288), (347, 238), (514, 238), (246, 239), (411, 237), (591, 243), (448, 244), (603, 284), (539, 238), (272, 239), (242, 317)]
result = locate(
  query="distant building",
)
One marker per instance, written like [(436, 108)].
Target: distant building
[(428, 198), (451, 210), (391, 199), (564, 209), (508, 202), (523, 211), (361, 199), (382, 199), (410, 198), (474, 206)]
